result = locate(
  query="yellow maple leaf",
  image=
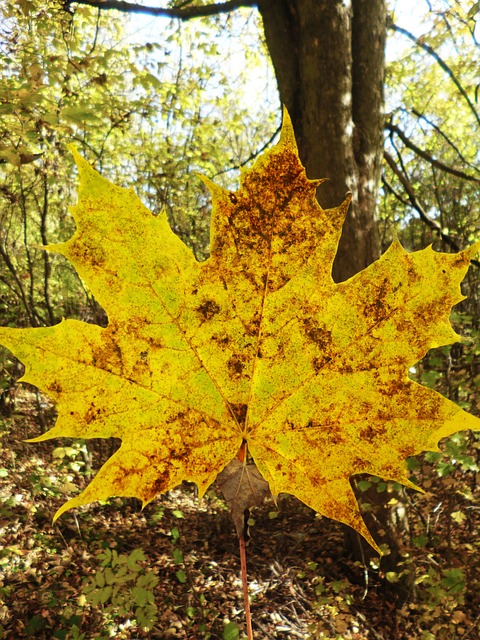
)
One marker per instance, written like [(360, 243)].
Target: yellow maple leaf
[(256, 346)]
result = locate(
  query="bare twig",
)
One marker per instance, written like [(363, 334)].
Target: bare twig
[(431, 51), (472, 628), (30, 311), (446, 138), (252, 156), (393, 128), (415, 203), (47, 266)]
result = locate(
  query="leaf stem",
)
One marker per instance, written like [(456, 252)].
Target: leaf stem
[(246, 599)]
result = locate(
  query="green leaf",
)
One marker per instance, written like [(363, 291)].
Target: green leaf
[(181, 577), (152, 80), (453, 580), (177, 556), (50, 118), (473, 10), (109, 576), (146, 616), (231, 631), (78, 115), (149, 580), (363, 485), (142, 596), (392, 577), (100, 578), (105, 557), (136, 556), (420, 541), (458, 516), (100, 596)]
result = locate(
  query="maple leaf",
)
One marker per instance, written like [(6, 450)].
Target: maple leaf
[(256, 347)]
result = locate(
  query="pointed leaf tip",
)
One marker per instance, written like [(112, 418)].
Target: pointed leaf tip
[(287, 135), (83, 165), (74, 151), (213, 187), (73, 502)]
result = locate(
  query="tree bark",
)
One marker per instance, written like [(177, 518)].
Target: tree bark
[(328, 57)]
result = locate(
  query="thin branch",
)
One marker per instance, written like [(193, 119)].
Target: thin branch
[(438, 199), (417, 206), (445, 137), (97, 30), (419, 42), (471, 628), (400, 159), (414, 202), (426, 156), (391, 189), (47, 265), (252, 156), (23, 295), (182, 12)]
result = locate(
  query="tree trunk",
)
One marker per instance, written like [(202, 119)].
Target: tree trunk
[(328, 57)]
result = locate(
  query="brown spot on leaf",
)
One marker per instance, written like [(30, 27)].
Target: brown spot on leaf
[(160, 484), (318, 363), (88, 252), (208, 309), (240, 412), (380, 308), (176, 417), (55, 388), (318, 334), (93, 413), (236, 365), (368, 435), (176, 454)]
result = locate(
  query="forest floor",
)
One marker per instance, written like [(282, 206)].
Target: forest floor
[(59, 581)]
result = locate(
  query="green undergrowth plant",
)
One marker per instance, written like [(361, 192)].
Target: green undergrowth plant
[(333, 604), (123, 588)]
